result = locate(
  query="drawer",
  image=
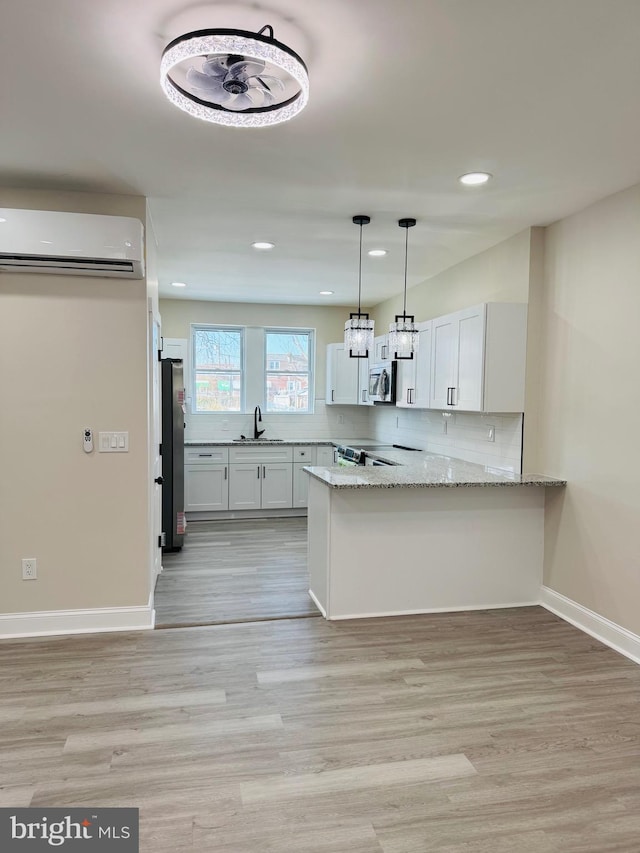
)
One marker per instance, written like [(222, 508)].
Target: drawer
[(305, 454), (263, 454), (203, 455)]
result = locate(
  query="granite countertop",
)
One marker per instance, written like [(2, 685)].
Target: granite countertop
[(228, 442), (423, 470)]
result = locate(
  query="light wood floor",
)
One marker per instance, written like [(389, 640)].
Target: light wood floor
[(234, 571), (499, 731)]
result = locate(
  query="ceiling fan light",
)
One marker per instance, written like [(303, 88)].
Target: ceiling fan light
[(242, 44)]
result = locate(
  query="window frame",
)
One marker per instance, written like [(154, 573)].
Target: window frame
[(218, 327), (254, 367), (309, 373)]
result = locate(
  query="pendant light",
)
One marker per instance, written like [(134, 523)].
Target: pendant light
[(358, 330), (403, 333)]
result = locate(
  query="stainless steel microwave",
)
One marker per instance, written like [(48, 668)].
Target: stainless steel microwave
[(382, 382)]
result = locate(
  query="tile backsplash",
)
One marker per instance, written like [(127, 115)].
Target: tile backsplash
[(326, 422), (493, 440), (467, 434)]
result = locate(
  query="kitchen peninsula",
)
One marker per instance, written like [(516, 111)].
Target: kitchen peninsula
[(435, 534)]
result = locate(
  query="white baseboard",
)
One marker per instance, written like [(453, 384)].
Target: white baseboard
[(317, 604), (615, 636), (431, 610), (48, 623)]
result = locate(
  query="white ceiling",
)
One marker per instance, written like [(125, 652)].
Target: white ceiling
[(405, 96)]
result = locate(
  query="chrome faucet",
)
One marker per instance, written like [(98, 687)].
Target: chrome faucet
[(257, 416)]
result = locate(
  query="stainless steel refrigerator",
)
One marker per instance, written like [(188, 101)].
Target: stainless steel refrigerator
[(173, 520)]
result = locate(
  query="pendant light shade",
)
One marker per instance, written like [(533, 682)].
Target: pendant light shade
[(358, 330), (403, 333)]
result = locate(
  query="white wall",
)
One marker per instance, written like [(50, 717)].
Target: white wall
[(499, 274), (328, 322), (72, 355), (589, 427)]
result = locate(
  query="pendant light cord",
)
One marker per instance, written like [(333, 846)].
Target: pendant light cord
[(360, 271), (406, 253)]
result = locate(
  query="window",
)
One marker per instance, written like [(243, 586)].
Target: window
[(288, 355), (217, 369)]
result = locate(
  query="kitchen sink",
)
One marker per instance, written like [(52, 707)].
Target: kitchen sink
[(245, 440)]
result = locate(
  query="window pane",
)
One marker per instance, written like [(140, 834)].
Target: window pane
[(218, 349), (287, 392), (288, 351), (217, 392)]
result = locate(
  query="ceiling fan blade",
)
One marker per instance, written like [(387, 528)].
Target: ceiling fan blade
[(215, 66), (246, 68), (272, 84), (210, 87), (241, 102)]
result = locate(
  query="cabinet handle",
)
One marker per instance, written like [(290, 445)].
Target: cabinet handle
[(205, 454), (333, 396), (385, 353), (264, 473), (363, 397), (225, 472), (450, 396), (258, 472)]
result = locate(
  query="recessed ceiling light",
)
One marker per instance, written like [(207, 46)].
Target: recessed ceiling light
[(474, 179), (326, 293), (377, 253), (178, 284), (261, 244)]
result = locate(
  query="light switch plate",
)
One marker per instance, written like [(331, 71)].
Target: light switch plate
[(113, 442)]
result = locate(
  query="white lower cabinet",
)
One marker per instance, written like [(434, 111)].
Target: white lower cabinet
[(245, 486), (325, 456), (264, 477), (302, 456), (206, 487)]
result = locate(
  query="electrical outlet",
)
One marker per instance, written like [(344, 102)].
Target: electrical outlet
[(340, 419), (225, 426), (491, 433), (29, 569)]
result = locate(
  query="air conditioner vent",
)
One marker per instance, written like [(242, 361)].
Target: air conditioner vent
[(88, 244), (63, 265)]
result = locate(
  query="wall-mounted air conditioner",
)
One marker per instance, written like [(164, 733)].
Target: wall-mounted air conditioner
[(71, 243)]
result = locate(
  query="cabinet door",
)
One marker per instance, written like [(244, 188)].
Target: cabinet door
[(406, 382), (363, 383), (206, 487), (277, 485), (444, 336), (342, 376), (469, 380), (300, 484), (422, 395), (381, 349), (245, 481), (325, 456)]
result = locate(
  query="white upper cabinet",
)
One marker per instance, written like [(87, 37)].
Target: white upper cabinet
[(342, 376), (363, 384), (478, 358), (414, 375), (381, 349)]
